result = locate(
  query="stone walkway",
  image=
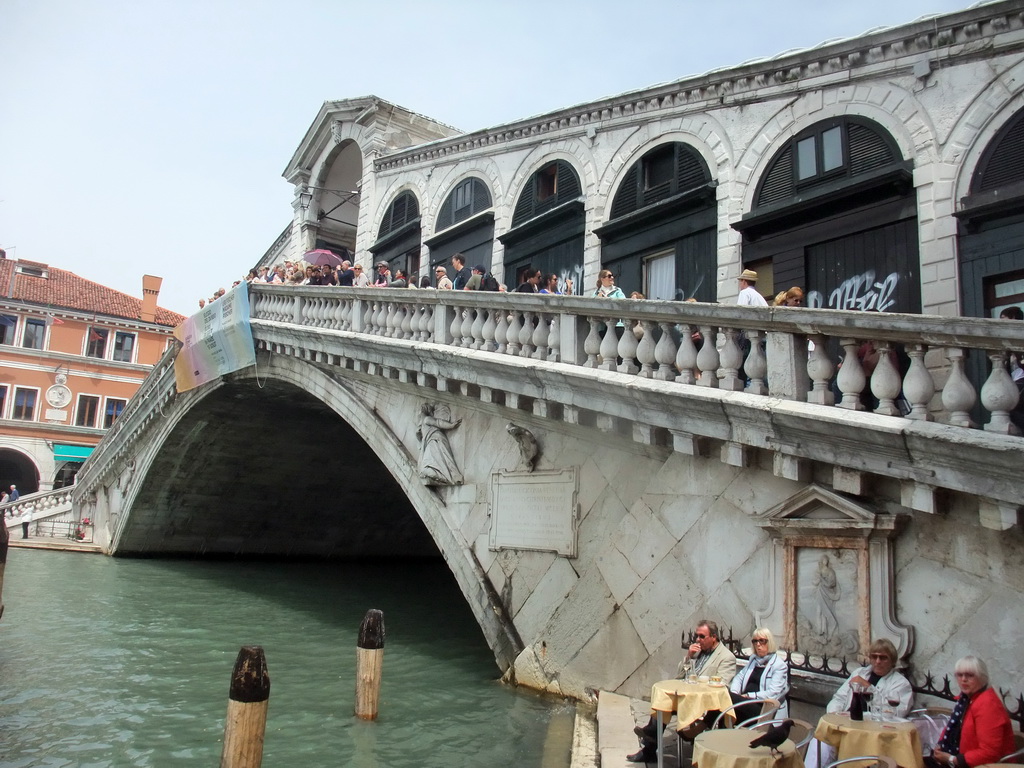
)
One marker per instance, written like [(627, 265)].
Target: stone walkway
[(62, 544)]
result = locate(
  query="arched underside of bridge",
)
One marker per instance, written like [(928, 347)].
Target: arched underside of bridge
[(292, 460), (271, 471)]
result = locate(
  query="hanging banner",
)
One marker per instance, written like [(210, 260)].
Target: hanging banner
[(216, 340)]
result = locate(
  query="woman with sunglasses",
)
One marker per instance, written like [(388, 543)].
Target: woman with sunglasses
[(979, 730), (881, 679), (766, 676)]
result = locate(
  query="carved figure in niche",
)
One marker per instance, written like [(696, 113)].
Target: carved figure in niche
[(437, 462), (829, 593), (529, 449), (827, 603)]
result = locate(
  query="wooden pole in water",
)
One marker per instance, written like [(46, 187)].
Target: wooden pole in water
[(248, 699), (369, 661), (5, 538)]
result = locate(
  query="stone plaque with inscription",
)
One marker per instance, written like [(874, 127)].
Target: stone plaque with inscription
[(535, 510), (55, 414)]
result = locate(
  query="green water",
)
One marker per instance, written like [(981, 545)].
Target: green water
[(112, 662)]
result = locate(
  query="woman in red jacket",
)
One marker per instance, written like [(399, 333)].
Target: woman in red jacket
[(979, 730)]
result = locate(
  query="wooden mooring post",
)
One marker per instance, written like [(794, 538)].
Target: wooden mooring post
[(5, 538), (248, 699), (369, 661)]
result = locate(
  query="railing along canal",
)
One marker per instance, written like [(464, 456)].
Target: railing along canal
[(778, 352)]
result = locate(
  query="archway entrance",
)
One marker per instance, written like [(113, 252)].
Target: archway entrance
[(17, 469)]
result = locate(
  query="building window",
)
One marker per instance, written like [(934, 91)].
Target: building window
[(124, 346), (8, 325), (3, 400), (87, 411), (1004, 291), (97, 343), (469, 197), (35, 333), (24, 404), (547, 183), (820, 153), (114, 408), (661, 275), (659, 167)]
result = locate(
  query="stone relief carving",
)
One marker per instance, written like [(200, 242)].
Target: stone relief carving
[(831, 581), (529, 448), (437, 462)]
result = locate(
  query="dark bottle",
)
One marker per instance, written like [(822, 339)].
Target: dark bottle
[(857, 706)]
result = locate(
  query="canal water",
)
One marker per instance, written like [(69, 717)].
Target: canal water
[(116, 662)]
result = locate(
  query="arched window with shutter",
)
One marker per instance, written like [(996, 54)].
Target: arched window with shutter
[(465, 224), (398, 239), (660, 238), (835, 213), (547, 226)]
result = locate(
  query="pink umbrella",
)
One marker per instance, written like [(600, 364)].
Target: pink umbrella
[(320, 257)]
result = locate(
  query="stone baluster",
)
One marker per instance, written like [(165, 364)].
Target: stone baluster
[(394, 321), (731, 359), (609, 346), (526, 335), (999, 396), (466, 330), (456, 328), (501, 332), (686, 357), (918, 385), (476, 331), (646, 353), (420, 322), (851, 379), (592, 344), (380, 319), (664, 353), (819, 371), (627, 350), (488, 330), (540, 336), (756, 366), (407, 321), (885, 381), (958, 396), (707, 359), (344, 315), (555, 339), (515, 325), (371, 318)]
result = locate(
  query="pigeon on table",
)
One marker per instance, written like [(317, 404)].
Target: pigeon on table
[(773, 737)]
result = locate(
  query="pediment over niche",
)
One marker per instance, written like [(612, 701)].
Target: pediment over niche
[(816, 511)]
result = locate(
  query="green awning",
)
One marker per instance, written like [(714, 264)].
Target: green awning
[(71, 452)]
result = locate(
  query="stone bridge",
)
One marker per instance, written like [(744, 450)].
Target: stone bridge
[(668, 484)]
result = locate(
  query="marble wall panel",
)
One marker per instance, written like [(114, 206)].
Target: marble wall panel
[(659, 602), (606, 660), (550, 591)]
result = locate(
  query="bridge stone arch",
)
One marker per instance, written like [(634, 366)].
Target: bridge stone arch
[(324, 476)]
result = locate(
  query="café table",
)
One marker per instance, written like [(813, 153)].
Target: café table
[(688, 700), (851, 738), (730, 748)]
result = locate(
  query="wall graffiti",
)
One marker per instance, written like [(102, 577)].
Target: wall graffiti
[(861, 292), (574, 273)]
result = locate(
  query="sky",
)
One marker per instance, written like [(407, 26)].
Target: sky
[(149, 136)]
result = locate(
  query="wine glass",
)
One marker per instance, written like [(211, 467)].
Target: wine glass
[(893, 703)]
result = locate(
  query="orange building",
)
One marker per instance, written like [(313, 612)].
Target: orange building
[(72, 353)]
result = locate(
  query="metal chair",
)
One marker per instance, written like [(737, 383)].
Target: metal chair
[(800, 734), (1018, 753), (930, 723), (866, 761), (768, 708)]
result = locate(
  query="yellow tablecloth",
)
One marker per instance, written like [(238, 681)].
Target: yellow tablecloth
[(689, 700), (731, 749), (852, 738)]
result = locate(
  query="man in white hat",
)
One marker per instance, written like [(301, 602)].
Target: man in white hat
[(749, 297)]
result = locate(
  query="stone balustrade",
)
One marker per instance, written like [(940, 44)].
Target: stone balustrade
[(36, 506), (779, 352)]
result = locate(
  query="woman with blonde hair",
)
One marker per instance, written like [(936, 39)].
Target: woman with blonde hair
[(606, 287), (794, 297), (766, 676)]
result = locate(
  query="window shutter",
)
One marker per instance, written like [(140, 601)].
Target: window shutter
[(868, 150), (568, 183), (691, 170), (1003, 162), (402, 210), (524, 208), (626, 198), (778, 182)]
